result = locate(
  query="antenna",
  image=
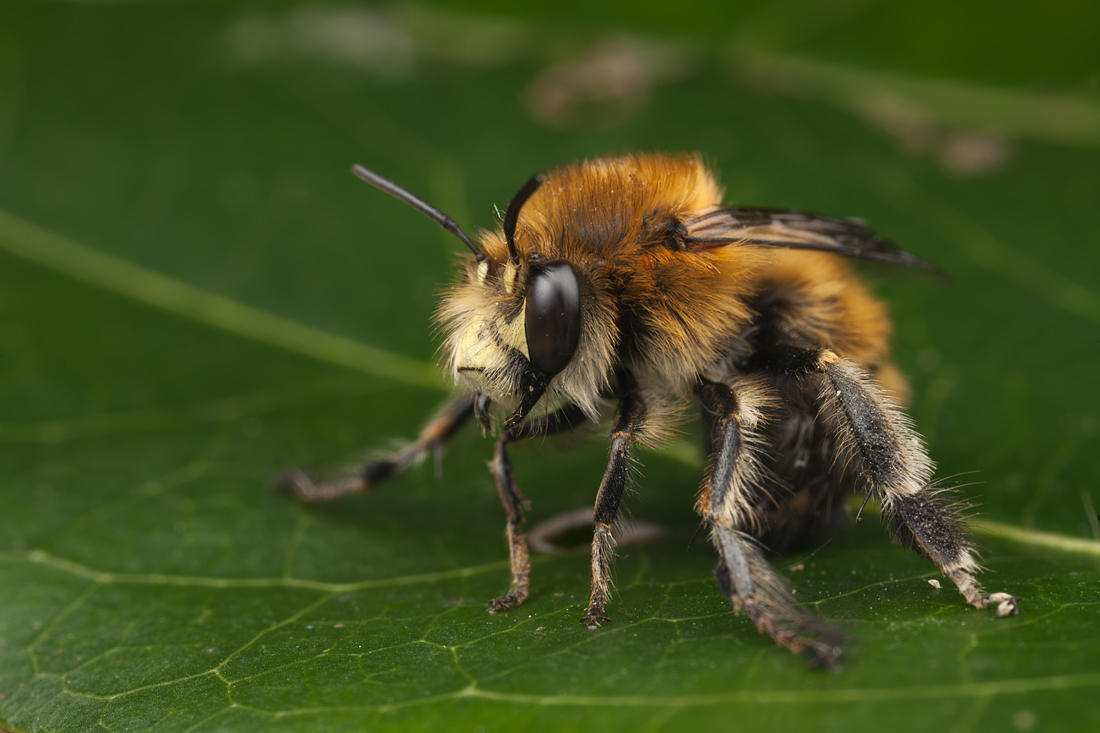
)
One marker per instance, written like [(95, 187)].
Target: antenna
[(420, 205)]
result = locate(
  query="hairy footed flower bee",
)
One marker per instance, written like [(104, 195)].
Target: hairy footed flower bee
[(624, 287)]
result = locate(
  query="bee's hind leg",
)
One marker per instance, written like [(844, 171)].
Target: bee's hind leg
[(431, 440), (733, 476), (876, 440)]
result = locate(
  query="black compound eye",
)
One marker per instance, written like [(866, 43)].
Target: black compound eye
[(553, 316)]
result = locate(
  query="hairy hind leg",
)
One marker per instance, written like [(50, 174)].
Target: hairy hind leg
[(732, 482), (877, 443)]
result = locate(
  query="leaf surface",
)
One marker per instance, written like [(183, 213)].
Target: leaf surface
[(195, 294)]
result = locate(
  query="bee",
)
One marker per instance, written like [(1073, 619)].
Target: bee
[(623, 286)]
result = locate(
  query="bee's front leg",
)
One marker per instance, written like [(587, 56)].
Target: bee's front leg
[(431, 439), (629, 420), (513, 501)]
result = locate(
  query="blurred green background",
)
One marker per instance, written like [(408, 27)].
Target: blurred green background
[(196, 293)]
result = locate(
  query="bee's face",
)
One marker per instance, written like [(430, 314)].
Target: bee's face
[(518, 332), (544, 325)]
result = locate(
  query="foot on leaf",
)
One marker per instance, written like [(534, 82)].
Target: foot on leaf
[(822, 655), (505, 603), (592, 620)]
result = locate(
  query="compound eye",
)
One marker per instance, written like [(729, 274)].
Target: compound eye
[(552, 316)]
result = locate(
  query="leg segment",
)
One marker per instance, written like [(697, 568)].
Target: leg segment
[(629, 419), (878, 444), (732, 479), (513, 501), (431, 440)]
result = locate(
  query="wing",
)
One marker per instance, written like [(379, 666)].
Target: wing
[(794, 230)]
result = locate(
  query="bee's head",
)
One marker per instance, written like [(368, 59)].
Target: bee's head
[(519, 329)]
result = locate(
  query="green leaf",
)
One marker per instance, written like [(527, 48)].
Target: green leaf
[(195, 294)]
